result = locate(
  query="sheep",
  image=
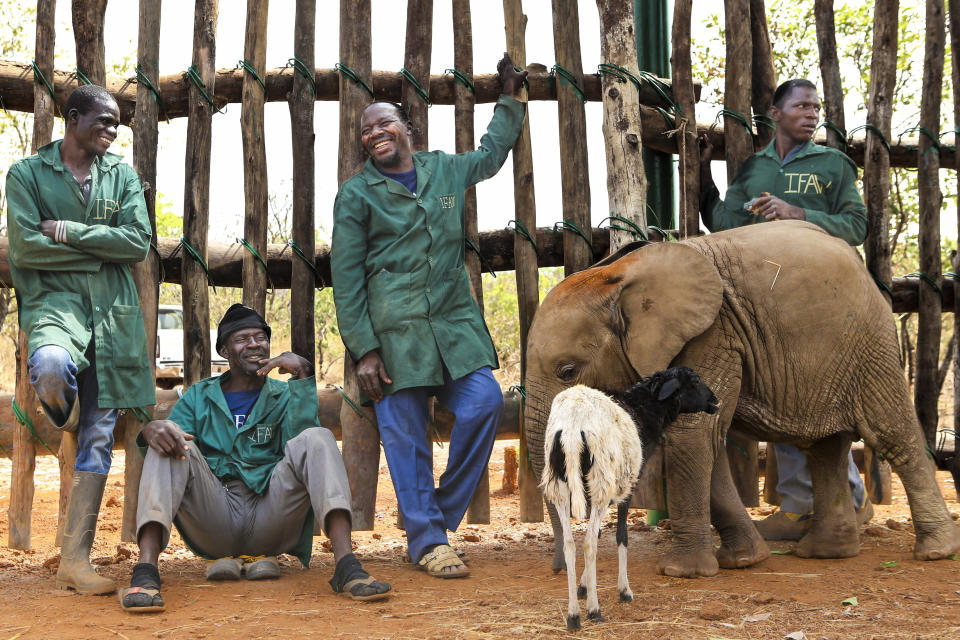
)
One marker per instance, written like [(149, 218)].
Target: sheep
[(595, 447)]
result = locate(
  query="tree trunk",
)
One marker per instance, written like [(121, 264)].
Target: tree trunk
[(737, 91), (930, 198), (688, 151), (254, 156), (764, 80), (88, 34), (416, 59), (955, 75), (830, 72), (196, 205), (626, 178)]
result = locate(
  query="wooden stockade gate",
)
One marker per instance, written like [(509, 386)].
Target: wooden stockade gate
[(640, 110)]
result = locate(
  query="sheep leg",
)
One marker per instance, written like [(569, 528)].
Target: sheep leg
[(590, 561), (569, 552), (623, 583)]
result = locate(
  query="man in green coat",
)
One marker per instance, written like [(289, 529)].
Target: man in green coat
[(792, 179), (77, 222), (407, 315), (238, 466)]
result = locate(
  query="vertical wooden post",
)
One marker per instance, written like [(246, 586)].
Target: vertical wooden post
[(416, 60), (743, 453), (196, 197), (764, 78), (361, 441), (525, 255), (574, 171), (146, 274), (254, 155), (737, 92), (876, 187), (955, 73), (926, 391), (771, 476), (24, 446), (301, 100), (88, 34), (626, 177), (683, 94), (830, 71)]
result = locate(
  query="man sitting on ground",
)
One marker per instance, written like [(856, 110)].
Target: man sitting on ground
[(238, 466)]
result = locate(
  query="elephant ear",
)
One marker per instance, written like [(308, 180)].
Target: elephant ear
[(671, 293)]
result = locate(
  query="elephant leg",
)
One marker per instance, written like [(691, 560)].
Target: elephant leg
[(833, 530), (555, 521), (741, 545)]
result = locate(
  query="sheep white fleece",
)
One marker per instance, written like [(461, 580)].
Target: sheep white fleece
[(612, 439)]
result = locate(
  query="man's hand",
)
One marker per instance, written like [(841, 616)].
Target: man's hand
[(49, 228), (370, 372), (773, 208), (510, 79), (287, 362), (706, 149), (167, 438)]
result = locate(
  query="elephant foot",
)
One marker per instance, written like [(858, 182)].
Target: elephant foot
[(744, 551), (935, 542), (684, 564), (823, 541)]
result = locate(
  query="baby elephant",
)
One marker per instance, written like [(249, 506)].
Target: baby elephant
[(595, 448)]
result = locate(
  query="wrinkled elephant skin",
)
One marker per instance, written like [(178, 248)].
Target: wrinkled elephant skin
[(787, 327)]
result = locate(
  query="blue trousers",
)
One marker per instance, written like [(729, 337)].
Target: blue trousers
[(430, 511), (54, 377), (796, 488)]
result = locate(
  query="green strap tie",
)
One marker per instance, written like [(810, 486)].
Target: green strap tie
[(883, 286), (297, 251), (765, 120), (256, 254), (140, 414), (526, 83), (567, 76), (826, 124), (39, 78), (193, 253), (246, 66), (518, 227), (350, 73), (145, 81), (520, 389), (302, 70), (82, 77), (24, 419), (951, 275), (876, 131), (729, 113), (421, 92), (632, 227), (667, 118), (622, 74), (929, 280), (483, 261), (740, 449), (462, 78), (193, 74), (571, 226), (934, 139), (354, 406)]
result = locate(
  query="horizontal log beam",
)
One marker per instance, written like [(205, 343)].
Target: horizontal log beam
[(17, 82), (496, 247), (328, 414)]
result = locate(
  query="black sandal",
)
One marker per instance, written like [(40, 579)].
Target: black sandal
[(143, 594), (349, 579)]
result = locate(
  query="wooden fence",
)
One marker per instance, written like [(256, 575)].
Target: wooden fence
[(639, 111)]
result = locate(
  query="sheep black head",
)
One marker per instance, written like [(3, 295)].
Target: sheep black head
[(683, 386)]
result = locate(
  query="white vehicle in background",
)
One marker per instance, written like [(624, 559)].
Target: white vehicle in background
[(169, 348)]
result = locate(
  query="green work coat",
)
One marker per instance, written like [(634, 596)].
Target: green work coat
[(71, 292), (820, 180), (399, 282), (281, 412)]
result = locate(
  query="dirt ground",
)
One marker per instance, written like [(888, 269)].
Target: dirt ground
[(511, 593)]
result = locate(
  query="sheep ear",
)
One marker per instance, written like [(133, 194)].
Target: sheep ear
[(668, 389)]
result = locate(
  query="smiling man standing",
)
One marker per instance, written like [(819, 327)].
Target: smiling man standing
[(793, 178), (408, 318), (77, 221)]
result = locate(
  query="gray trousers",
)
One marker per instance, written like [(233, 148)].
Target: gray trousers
[(226, 518)]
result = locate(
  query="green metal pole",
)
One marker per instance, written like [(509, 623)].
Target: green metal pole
[(652, 29)]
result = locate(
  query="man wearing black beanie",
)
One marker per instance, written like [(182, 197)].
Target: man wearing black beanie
[(239, 464)]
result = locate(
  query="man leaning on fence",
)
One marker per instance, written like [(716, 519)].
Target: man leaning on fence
[(77, 221)]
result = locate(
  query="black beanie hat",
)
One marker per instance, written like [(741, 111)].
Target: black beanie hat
[(239, 317)]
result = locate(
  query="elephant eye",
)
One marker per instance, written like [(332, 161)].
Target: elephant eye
[(566, 372)]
